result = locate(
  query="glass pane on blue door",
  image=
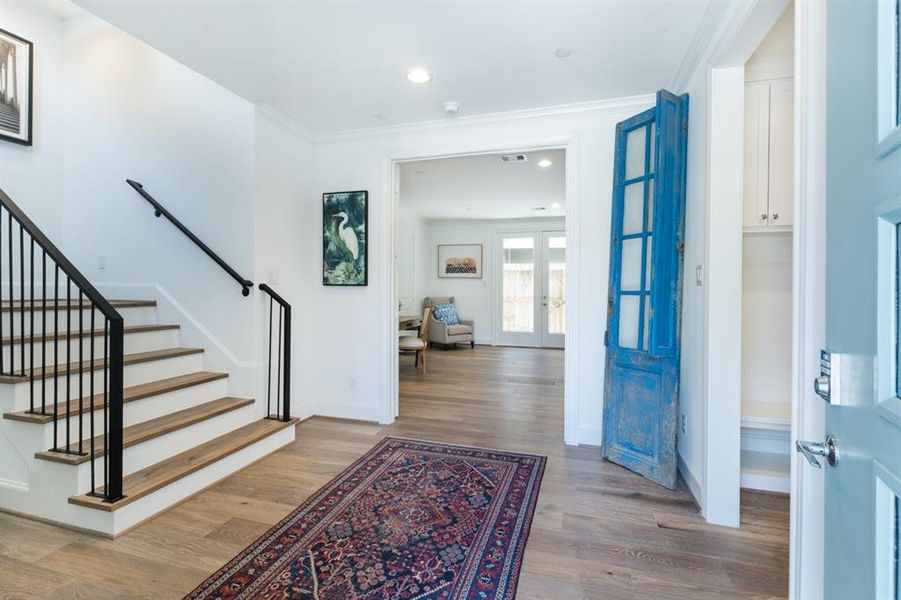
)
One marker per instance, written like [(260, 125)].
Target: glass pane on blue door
[(635, 153), (629, 308), (633, 208), (630, 276)]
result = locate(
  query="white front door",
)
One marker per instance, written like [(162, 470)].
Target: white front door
[(531, 288)]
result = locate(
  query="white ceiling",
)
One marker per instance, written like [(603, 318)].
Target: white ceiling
[(330, 66), (482, 187)]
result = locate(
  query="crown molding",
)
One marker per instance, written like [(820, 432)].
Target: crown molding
[(610, 105), (287, 122), (701, 46)]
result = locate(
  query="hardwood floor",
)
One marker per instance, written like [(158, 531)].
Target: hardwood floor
[(599, 531)]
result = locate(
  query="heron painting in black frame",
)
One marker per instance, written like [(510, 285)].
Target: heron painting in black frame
[(345, 248)]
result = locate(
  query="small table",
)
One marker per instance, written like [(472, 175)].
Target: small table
[(409, 322)]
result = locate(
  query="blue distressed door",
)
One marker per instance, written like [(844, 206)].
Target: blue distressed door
[(643, 308)]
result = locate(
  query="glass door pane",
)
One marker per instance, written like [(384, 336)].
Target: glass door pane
[(556, 284), (518, 307)]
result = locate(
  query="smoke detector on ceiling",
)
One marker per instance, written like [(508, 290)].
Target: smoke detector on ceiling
[(514, 158), (451, 107)]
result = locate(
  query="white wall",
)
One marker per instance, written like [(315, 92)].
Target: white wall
[(476, 298), (283, 177), (32, 175), (419, 263), (132, 112), (349, 377)]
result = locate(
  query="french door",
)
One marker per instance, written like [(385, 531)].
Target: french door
[(532, 289)]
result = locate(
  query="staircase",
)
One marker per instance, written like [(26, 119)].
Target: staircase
[(107, 419)]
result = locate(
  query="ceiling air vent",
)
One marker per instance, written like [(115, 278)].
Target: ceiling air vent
[(514, 158)]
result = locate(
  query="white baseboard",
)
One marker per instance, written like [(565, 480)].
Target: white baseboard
[(589, 435), (692, 479), (767, 483), (342, 410)]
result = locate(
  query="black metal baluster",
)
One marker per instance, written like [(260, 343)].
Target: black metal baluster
[(105, 408), (286, 384), (44, 332), (116, 417), (55, 353), (31, 332), (93, 481), (12, 296), (269, 364), (22, 296), (81, 370), (68, 366), (278, 378)]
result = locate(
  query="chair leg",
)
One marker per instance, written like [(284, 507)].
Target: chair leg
[(472, 344), (422, 361)]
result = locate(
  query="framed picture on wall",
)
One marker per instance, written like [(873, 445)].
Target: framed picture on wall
[(345, 228), (460, 261), (16, 82)]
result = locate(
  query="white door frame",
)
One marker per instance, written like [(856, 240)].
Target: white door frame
[(808, 286), (807, 542), (390, 401)]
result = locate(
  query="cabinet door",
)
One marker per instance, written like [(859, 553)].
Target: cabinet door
[(757, 125), (781, 193)]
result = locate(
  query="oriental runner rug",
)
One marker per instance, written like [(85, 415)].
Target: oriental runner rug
[(410, 519)]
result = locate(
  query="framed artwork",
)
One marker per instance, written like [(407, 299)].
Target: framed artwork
[(345, 248), (16, 83), (460, 261)]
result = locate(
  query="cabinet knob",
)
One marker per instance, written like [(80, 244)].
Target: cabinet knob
[(775, 216), (763, 217)]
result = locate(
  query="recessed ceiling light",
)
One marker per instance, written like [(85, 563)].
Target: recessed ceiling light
[(555, 205), (544, 163), (419, 75), (563, 52)]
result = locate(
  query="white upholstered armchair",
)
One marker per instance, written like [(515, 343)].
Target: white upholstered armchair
[(448, 335)]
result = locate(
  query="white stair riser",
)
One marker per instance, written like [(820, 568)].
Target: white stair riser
[(68, 320), (153, 451), (136, 411), (136, 512), (134, 342), (18, 395)]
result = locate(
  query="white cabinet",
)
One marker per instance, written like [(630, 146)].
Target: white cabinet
[(768, 154)]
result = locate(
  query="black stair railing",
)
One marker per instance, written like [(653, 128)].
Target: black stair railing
[(282, 363), (160, 211), (29, 256)]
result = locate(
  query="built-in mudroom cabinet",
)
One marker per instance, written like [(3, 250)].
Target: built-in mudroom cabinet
[(767, 261)]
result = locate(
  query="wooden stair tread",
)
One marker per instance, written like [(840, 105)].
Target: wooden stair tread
[(71, 368), (130, 394), (148, 430), (146, 481), (37, 305), (64, 335)]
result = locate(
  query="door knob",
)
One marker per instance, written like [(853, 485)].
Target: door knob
[(763, 217), (775, 216), (813, 450)]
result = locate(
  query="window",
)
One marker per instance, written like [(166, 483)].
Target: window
[(889, 76)]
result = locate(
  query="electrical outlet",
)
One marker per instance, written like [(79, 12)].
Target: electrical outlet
[(684, 424), (699, 275), (352, 383), (273, 277), (101, 262)]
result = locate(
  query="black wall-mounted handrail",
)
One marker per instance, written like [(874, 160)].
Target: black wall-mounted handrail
[(71, 435), (283, 360), (159, 210)]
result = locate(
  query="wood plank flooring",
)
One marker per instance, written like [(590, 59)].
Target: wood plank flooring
[(599, 531)]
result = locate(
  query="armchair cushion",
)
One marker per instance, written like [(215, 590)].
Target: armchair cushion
[(459, 330), (446, 313)]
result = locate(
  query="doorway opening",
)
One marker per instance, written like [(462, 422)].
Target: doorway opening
[(480, 250)]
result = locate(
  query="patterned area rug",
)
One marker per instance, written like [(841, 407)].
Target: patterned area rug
[(410, 519)]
